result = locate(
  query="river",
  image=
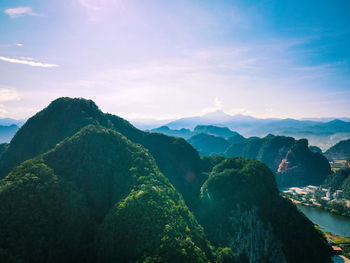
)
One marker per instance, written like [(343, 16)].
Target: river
[(329, 222)]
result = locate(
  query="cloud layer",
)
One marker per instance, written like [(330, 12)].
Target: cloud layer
[(28, 62), (20, 11), (8, 94)]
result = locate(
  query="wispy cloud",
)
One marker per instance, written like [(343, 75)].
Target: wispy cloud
[(28, 62), (19, 44), (96, 9), (8, 94), (20, 11)]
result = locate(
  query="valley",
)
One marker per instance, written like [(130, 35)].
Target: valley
[(97, 174)]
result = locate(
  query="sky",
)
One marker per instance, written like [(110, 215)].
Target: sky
[(170, 59)]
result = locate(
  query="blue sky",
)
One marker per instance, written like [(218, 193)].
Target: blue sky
[(170, 59)]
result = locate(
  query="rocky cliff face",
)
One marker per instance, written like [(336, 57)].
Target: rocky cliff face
[(302, 166), (241, 209), (251, 237)]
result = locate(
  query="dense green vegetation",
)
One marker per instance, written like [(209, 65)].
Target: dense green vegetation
[(215, 130), (270, 149), (315, 149), (236, 139), (51, 207), (65, 116), (207, 144), (187, 133), (240, 201), (339, 151), (3, 147), (340, 180), (84, 186)]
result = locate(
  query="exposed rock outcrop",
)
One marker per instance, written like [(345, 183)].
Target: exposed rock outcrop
[(302, 166)]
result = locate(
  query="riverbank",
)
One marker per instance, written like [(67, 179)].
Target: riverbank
[(334, 207), (339, 241)]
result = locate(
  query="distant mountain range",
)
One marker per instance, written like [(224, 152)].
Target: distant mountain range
[(80, 185), (322, 132), (293, 161), (7, 132), (9, 121)]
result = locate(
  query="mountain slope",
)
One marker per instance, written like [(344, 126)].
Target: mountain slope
[(339, 151), (65, 116), (214, 130), (302, 166), (241, 209), (207, 144), (269, 150), (69, 205)]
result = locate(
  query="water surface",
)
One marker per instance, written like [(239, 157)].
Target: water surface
[(329, 222)]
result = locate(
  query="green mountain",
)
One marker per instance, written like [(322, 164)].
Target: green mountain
[(183, 133), (83, 201), (65, 116), (187, 133), (84, 186), (242, 209), (214, 130), (236, 139), (269, 150), (302, 166), (207, 144), (293, 162), (339, 151), (340, 180), (3, 147), (323, 132)]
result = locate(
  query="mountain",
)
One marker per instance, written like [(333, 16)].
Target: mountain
[(191, 122), (315, 149), (236, 139), (317, 131), (269, 150), (85, 198), (340, 180), (65, 116), (242, 209), (3, 147), (147, 124), (302, 166), (7, 132), (326, 119), (275, 151), (187, 133), (339, 151), (293, 162), (9, 122), (85, 186), (183, 133), (214, 130), (207, 144), (211, 118)]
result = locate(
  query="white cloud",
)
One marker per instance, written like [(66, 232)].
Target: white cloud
[(26, 58), (8, 94), (218, 103), (19, 44), (28, 62), (3, 111), (20, 11)]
